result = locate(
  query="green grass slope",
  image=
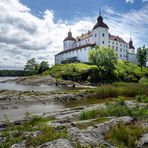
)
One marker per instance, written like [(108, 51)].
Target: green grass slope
[(72, 71), (125, 71)]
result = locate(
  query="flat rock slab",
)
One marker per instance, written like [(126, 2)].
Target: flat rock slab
[(60, 143), (94, 135), (143, 143)]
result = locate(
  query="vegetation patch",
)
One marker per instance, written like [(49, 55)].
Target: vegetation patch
[(121, 89), (142, 98), (92, 123), (122, 135), (16, 133), (118, 108)]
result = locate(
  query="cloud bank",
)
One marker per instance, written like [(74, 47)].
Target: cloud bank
[(24, 35)]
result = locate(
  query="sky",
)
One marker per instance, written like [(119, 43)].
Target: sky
[(36, 28)]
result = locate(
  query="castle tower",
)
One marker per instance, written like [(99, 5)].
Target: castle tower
[(131, 47), (100, 32), (69, 41)]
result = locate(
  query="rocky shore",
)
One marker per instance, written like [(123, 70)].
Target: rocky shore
[(70, 127)]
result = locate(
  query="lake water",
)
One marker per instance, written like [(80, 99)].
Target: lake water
[(19, 111), (38, 109), (19, 87)]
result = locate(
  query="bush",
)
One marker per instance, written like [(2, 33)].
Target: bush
[(122, 135), (117, 108), (142, 98), (123, 89)]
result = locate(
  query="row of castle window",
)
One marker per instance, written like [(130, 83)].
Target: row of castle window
[(103, 35), (123, 56), (71, 52), (120, 44), (124, 50)]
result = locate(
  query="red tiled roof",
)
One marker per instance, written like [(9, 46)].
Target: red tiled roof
[(69, 37), (117, 38), (76, 48), (100, 23)]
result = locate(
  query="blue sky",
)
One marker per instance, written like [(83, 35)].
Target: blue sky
[(36, 28), (69, 9)]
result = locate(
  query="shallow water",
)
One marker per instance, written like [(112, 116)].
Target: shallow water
[(15, 114), (20, 87)]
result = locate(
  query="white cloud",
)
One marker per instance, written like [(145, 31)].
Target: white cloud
[(129, 1), (24, 36)]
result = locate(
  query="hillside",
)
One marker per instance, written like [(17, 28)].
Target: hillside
[(125, 71)]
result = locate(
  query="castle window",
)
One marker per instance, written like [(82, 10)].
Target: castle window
[(103, 34), (95, 35), (120, 55), (113, 42), (109, 41), (116, 48), (124, 55), (116, 43), (120, 50), (113, 47), (120, 44), (103, 42), (108, 45)]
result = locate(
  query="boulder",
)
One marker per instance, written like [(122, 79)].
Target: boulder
[(19, 145), (60, 143), (143, 142), (94, 135)]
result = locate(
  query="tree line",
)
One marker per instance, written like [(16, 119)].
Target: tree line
[(31, 68)]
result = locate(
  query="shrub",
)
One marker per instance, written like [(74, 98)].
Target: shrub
[(122, 135), (142, 98), (117, 108), (123, 89)]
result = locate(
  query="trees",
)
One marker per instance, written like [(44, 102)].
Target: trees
[(43, 66), (142, 56), (105, 59), (31, 67)]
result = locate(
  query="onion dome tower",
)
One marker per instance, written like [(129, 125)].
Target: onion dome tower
[(131, 47), (100, 23), (69, 41), (69, 37)]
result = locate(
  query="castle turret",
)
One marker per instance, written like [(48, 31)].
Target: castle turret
[(69, 41), (131, 47), (100, 32)]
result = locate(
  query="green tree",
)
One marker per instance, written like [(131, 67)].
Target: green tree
[(43, 67), (105, 58), (142, 56), (31, 67)]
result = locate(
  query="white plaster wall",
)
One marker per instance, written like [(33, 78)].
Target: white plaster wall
[(98, 37), (81, 54), (68, 45), (120, 48), (132, 58)]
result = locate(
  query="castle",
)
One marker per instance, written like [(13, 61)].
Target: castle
[(77, 49)]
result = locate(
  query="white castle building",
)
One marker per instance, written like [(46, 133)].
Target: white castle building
[(77, 49)]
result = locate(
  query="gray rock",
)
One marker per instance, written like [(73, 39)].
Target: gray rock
[(94, 136), (60, 143), (143, 143), (19, 145)]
